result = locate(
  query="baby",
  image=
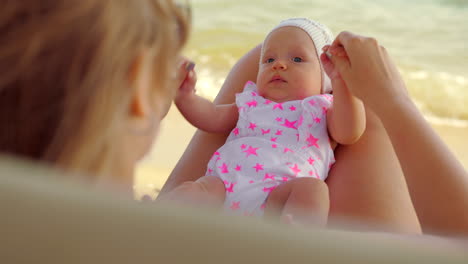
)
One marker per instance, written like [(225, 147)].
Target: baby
[(282, 129)]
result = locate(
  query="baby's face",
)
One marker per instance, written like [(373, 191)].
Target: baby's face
[(289, 67)]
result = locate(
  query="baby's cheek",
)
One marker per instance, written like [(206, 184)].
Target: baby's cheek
[(302, 94), (261, 91), (311, 89)]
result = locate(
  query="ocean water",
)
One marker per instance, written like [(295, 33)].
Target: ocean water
[(428, 40)]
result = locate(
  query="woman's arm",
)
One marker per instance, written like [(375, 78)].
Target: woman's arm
[(437, 181), (192, 164)]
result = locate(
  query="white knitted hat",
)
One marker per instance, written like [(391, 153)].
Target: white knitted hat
[(320, 35)]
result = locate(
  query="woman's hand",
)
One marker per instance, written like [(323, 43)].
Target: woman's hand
[(433, 174), (367, 70)]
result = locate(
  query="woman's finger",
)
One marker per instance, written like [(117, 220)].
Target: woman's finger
[(352, 44), (344, 39), (338, 61)]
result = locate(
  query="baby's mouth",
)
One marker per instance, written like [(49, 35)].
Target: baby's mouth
[(277, 78)]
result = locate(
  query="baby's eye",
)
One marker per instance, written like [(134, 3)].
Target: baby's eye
[(270, 60), (297, 59)]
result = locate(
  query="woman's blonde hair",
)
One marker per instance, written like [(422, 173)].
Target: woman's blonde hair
[(64, 64)]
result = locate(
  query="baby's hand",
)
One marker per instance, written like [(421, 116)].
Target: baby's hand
[(186, 78), (328, 65)]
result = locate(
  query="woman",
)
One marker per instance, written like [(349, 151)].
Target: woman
[(85, 83), (366, 183)]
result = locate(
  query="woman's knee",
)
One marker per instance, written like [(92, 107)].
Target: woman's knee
[(206, 191), (210, 184), (305, 187), (366, 180), (310, 185)]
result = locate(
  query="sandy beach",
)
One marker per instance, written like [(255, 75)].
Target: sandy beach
[(176, 133)]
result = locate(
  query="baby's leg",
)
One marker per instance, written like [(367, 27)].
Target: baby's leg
[(305, 200), (208, 191)]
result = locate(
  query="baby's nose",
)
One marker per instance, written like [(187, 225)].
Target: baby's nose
[(279, 65)]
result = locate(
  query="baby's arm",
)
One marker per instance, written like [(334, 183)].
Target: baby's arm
[(201, 112), (346, 119)]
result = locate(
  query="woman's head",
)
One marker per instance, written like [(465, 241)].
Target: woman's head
[(80, 77)]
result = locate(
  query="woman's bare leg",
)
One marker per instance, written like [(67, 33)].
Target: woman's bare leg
[(207, 191), (366, 184), (305, 200)]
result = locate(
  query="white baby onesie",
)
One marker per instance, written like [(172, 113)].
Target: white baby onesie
[(271, 144)]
